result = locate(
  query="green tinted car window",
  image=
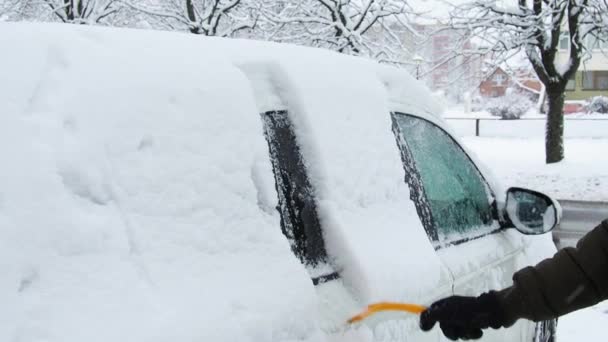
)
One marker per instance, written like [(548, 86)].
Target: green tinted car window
[(457, 194)]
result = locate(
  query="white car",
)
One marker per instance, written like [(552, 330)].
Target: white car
[(166, 187)]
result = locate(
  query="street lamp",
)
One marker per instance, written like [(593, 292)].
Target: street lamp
[(418, 60)]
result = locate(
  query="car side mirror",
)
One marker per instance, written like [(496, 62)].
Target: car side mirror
[(531, 212)]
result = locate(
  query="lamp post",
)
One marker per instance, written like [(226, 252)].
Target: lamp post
[(418, 60)]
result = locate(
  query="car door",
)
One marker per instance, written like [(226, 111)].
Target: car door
[(459, 210), (339, 298)]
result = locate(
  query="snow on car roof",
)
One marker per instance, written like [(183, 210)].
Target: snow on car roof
[(129, 210), (136, 197)]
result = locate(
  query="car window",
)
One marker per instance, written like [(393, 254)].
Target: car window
[(457, 195), (297, 206)]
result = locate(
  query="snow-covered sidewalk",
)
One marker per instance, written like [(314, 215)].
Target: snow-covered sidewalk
[(583, 175)]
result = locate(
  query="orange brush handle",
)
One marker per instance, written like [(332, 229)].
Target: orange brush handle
[(387, 306)]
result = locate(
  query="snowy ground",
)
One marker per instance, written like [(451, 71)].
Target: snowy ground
[(514, 150), (583, 175), (458, 112), (584, 325)]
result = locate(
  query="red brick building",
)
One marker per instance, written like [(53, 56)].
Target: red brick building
[(453, 75), (500, 82)]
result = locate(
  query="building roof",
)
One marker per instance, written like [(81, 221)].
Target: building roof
[(523, 78)]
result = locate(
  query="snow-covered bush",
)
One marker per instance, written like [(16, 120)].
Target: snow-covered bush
[(509, 107), (597, 104)]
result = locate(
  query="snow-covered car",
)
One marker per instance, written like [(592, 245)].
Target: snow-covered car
[(165, 187)]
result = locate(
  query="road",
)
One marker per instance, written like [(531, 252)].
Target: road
[(578, 218)]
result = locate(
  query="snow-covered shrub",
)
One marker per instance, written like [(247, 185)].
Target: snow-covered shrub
[(597, 104), (477, 103), (509, 107)]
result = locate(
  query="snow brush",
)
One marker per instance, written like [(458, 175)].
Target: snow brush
[(387, 306)]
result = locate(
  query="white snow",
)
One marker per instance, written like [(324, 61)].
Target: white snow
[(530, 126), (136, 194), (584, 325), (583, 175), (515, 151), (125, 213), (356, 170), (359, 201)]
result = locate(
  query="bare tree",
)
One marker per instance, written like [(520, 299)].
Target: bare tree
[(374, 28), (16, 10), (455, 74), (82, 11), (7, 7), (223, 18), (534, 28)]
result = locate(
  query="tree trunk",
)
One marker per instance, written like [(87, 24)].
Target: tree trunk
[(554, 139), (69, 10), (542, 99), (194, 27)]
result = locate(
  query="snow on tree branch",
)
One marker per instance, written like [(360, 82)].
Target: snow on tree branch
[(222, 18), (373, 28), (8, 7), (534, 27), (537, 28), (82, 11)]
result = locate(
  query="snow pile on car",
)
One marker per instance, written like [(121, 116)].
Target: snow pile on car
[(127, 204), (137, 199), (355, 167)]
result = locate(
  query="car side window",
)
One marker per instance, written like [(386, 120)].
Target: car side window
[(296, 202), (458, 197)]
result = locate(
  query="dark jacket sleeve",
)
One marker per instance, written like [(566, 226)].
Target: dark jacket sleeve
[(572, 279)]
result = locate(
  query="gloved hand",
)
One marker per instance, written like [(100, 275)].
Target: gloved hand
[(464, 317)]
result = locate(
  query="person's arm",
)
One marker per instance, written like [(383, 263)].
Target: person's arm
[(572, 279)]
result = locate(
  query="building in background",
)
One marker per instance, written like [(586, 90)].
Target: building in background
[(440, 68), (495, 85), (502, 82), (428, 54), (591, 79)]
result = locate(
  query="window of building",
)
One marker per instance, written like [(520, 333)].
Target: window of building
[(571, 85), (564, 41), (499, 79), (595, 80)]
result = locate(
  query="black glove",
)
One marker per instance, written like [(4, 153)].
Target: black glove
[(464, 317)]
